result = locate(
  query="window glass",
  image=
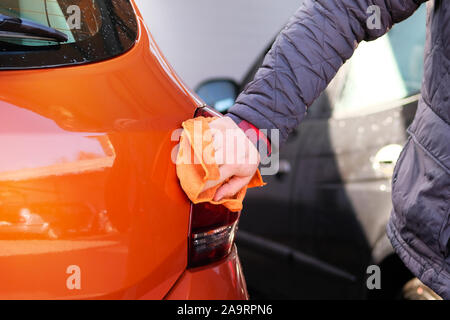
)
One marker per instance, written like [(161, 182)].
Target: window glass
[(387, 69), (96, 30)]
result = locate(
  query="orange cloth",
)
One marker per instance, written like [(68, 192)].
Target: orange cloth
[(196, 165)]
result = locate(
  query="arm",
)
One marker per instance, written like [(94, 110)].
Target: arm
[(307, 54)]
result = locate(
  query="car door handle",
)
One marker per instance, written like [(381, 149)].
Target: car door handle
[(386, 158)]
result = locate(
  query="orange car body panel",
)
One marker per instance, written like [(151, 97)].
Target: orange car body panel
[(223, 280), (87, 185)]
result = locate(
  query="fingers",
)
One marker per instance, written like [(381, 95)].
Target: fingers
[(211, 183), (226, 171), (236, 156), (232, 187)]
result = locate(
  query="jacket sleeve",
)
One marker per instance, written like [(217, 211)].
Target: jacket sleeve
[(307, 54)]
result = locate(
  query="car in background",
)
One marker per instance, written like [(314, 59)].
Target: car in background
[(320, 222), (90, 204)]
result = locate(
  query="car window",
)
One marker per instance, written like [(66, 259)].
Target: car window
[(96, 30), (384, 70)]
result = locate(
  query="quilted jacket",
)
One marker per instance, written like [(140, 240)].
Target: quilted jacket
[(305, 57)]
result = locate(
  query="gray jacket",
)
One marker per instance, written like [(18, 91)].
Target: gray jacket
[(305, 57)]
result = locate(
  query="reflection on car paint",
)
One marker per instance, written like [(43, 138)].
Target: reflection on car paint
[(37, 151)]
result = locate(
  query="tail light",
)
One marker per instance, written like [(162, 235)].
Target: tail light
[(207, 111), (213, 227), (211, 238)]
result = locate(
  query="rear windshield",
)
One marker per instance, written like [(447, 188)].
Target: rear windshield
[(96, 30)]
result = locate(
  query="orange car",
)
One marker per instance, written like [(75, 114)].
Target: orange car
[(90, 205)]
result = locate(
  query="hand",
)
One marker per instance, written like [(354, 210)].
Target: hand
[(236, 156)]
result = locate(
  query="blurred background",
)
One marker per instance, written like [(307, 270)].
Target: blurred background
[(206, 39), (314, 231)]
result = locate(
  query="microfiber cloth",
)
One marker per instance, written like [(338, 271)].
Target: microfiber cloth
[(196, 165)]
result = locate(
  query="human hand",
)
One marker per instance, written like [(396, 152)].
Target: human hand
[(236, 156)]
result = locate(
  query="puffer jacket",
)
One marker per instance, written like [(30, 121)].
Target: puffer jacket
[(305, 57)]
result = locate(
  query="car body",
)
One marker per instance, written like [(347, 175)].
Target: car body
[(90, 204), (320, 222)]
